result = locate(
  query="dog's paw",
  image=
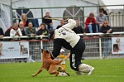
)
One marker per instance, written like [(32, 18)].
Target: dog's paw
[(63, 74), (33, 75)]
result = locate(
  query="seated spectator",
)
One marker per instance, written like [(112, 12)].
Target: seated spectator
[(1, 32), (48, 21), (105, 28), (101, 17), (107, 43), (7, 32), (78, 29), (30, 30), (15, 31), (62, 22), (42, 30), (91, 24), (21, 26), (24, 19)]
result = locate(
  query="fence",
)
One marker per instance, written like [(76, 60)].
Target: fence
[(98, 46)]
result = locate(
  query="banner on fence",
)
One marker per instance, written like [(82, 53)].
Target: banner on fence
[(117, 45), (14, 50)]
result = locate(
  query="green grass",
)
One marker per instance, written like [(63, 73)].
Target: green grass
[(107, 70)]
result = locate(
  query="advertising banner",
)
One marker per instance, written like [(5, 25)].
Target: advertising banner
[(14, 50), (117, 45)]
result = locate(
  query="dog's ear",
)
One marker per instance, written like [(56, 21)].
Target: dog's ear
[(47, 51)]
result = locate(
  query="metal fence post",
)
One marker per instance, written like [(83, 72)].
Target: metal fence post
[(11, 12), (100, 48)]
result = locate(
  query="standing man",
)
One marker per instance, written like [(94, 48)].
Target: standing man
[(101, 17), (107, 42), (48, 21), (67, 38)]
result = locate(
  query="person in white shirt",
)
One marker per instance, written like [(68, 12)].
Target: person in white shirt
[(15, 31), (67, 38)]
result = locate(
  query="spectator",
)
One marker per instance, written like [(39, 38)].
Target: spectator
[(62, 22), (105, 12), (21, 26), (101, 17), (42, 30), (30, 31), (48, 21), (15, 31), (7, 32), (1, 32), (91, 24), (24, 19), (107, 44), (78, 29)]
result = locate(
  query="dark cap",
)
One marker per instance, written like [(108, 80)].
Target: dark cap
[(51, 34)]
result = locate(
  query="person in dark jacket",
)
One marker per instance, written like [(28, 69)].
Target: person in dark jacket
[(30, 31), (78, 29), (1, 31), (48, 21), (7, 32), (42, 30), (62, 22), (107, 44)]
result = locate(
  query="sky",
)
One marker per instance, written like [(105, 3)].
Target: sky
[(114, 2)]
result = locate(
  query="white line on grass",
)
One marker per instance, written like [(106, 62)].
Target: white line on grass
[(108, 76)]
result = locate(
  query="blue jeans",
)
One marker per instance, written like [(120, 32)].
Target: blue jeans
[(90, 27), (107, 45), (50, 28)]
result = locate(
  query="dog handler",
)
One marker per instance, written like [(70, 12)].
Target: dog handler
[(65, 37)]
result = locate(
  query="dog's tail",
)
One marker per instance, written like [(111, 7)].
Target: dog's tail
[(66, 57)]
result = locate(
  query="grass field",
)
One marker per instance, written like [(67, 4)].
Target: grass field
[(106, 70)]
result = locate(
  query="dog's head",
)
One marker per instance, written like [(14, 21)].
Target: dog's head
[(46, 54)]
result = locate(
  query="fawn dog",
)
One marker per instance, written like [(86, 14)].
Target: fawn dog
[(52, 66)]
